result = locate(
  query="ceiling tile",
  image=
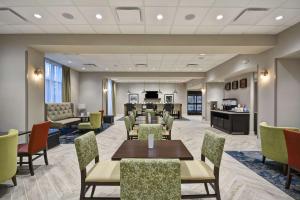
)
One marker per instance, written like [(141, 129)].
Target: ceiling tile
[(265, 3), (91, 2), (90, 15), (28, 13), (203, 3), (54, 28), (168, 3), (167, 12), (234, 29), (131, 29), (58, 11), (288, 14), (291, 4), (55, 2), (8, 29), (231, 3), (209, 29), (28, 28), (181, 13), (106, 29), (80, 29), (228, 15), (19, 2), (128, 3), (183, 29), (158, 29)]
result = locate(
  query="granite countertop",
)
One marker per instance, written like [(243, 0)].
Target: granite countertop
[(230, 112)]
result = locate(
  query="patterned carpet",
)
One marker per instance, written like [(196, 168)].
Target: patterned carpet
[(271, 171), (182, 119)]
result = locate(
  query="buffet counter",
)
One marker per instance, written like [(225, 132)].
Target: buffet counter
[(230, 122)]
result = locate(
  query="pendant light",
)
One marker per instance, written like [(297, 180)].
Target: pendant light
[(144, 91), (175, 91)]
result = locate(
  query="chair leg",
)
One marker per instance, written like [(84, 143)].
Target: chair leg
[(82, 191), (30, 165), (285, 169), (206, 188), (21, 160), (289, 179), (217, 190), (14, 180), (45, 156), (263, 159), (93, 190)]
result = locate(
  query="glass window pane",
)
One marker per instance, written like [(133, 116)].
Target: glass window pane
[(53, 82)]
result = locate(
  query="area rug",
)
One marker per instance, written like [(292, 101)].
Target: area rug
[(182, 119), (271, 171), (68, 136)]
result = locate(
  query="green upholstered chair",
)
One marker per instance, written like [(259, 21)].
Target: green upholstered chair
[(273, 145), (166, 115), (196, 171), (132, 120), (150, 179), (8, 156), (151, 111), (94, 123), (145, 129), (168, 130), (102, 173), (131, 133)]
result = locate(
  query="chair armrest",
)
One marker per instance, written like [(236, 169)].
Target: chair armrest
[(24, 133)]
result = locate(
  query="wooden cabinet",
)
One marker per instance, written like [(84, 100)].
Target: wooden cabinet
[(231, 122)]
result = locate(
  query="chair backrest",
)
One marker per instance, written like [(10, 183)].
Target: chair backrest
[(150, 179), (127, 124), (39, 137), (59, 111), (292, 139), (95, 120), (8, 155), (273, 142), (212, 147), (151, 111), (169, 124), (166, 115), (146, 129), (132, 119), (86, 149)]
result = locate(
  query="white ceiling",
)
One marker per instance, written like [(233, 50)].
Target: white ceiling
[(174, 12), (127, 62), (153, 79)]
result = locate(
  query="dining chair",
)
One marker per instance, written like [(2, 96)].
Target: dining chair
[(150, 179), (292, 139), (146, 129), (196, 171), (168, 131), (132, 120), (8, 156), (93, 125), (131, 133), (38, 139), (102, 173)]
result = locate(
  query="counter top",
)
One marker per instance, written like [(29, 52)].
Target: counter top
[(230, 112)]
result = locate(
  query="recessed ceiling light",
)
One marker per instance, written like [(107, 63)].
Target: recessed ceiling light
[(159, 17), (98, 16), (67, 16), (202, 54), (69, 61), (280, 17), (83, 68), (106, 69), (219, 17), (190, 17), (37, 15)]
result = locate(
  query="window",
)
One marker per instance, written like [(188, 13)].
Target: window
[(53, 82)]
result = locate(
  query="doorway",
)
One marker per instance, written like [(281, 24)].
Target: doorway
[(194, 103)]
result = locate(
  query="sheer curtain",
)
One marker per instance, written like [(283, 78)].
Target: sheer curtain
[(53, 82)]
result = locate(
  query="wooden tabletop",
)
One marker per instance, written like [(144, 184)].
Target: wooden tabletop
[(146, 120), (171, 149)]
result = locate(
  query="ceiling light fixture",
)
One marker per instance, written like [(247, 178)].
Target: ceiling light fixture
[(190, 17), (106, 69), (202, 54), (98, 16), (219, 17), (159, 17), (37, 15), (83, 68), (69, 61), (280, 17), (68, 16)]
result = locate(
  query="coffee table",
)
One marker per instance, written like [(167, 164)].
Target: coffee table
[(172, 149)]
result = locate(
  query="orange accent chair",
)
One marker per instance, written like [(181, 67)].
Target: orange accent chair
[(292, 139), (37, 143)]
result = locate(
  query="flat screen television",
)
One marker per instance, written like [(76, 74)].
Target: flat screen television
[(151, 95)]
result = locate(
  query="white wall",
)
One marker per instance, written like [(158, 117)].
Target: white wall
[(74, 79), (166, 88), (214, 92), (90, 90), (288, 92)]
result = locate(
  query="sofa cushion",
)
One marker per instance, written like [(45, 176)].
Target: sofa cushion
[(59, 111), (61, 123), (195, 170), (104, 171)]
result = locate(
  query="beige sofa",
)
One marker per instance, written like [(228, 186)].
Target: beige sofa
[(61, 114)]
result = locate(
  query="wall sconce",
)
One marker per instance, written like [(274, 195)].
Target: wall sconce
[(203, 90), (38, 73), (104, 90), (264, 73)]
